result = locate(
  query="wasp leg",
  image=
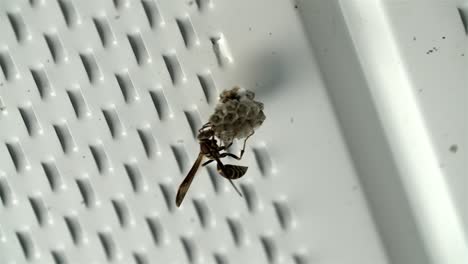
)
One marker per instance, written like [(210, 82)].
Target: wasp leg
[(222, 155), (207, 162), (222, 169), (245, 141), (225, 147), (235, 188)]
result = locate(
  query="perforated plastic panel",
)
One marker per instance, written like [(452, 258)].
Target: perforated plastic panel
[(362, 157)]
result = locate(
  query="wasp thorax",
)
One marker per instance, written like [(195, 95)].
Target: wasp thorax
[(236, 115)]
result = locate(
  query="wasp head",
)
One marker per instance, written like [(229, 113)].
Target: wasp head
[(205, 135)]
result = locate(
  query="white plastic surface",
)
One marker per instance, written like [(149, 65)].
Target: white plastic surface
[(362, 158)]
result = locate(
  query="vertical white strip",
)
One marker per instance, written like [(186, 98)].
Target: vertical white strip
[(403, 122)]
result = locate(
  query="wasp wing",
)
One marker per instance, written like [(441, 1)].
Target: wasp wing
[(184, 186)]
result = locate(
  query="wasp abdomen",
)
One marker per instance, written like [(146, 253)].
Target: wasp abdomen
[(232, 171)]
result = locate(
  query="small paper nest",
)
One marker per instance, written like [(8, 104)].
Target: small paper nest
[(236, 115)]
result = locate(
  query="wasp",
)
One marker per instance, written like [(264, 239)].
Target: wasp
[(210, 149)]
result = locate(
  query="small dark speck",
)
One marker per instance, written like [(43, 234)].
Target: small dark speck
[(291, 120), (443, 37), (453, 148), (463, 55), (1, 84), (84, 156), (190, 3), (269, 33), (295, 6), (29, 90), (2, 108), (420, 90), (250, 29), (414, 38), (434, 49), (48, 61)]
